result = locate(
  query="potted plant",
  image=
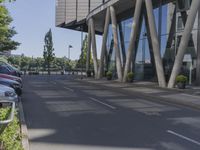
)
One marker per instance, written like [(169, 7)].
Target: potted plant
[(130, 77), (89, 73), (109, 75), (181, 81)]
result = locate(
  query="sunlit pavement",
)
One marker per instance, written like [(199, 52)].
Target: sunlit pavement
[(66, 114)]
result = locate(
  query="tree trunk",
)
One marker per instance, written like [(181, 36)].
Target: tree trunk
[(48, 67)]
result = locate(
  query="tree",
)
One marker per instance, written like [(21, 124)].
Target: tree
[(48, 50), (83, 57), (6, 32), (24, 64)]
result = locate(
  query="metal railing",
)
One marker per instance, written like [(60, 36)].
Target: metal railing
[(12, 112)]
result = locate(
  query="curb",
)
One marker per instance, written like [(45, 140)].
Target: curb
[(158, 98), (24, 130)]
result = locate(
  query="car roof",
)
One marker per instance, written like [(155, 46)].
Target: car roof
[(8, 80), (5, 88)]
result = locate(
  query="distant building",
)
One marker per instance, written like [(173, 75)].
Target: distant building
[(5, 53)]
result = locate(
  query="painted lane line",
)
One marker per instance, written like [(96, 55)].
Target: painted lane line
[(69, 89), (98, 101), (184, 137)]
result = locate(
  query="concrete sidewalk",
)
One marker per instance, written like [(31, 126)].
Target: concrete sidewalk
[(189, 97)]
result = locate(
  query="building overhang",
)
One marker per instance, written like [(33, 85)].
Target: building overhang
[(124, 10)]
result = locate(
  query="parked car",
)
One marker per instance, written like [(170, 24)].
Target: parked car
[(6, 68), (7, 93), (13, 84), (6, 76), (12, 68)]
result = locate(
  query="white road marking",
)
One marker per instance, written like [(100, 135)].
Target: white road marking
[(98, 101), (69, 89), (184, 137)]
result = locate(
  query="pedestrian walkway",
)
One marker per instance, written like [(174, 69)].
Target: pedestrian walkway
[(189, 97)]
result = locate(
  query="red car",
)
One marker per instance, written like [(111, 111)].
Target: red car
[(6, 76)]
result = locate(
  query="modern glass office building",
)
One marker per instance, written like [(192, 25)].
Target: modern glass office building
[(160, 35)]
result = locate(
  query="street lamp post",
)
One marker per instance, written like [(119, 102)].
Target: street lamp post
[(69, 51), (70, 46)]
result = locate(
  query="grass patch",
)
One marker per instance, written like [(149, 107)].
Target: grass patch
[(10, 136)]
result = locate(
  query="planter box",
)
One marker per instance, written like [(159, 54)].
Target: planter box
[(181, 85)]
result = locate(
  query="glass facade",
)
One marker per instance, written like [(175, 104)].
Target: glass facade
[(143, 67)]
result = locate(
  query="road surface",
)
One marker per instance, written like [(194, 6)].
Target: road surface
[(66, 114)]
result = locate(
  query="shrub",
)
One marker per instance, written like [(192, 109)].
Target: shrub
[(10, 138), (89, 73), (181, 79), (109, 75), (130, 75)]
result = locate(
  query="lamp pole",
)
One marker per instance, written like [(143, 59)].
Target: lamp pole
[(69, 51), (70, 46), (81, 53)]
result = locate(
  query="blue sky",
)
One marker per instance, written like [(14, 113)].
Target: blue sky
[(32, 19)]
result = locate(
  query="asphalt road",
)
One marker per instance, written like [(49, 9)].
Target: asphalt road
[(66, 114)]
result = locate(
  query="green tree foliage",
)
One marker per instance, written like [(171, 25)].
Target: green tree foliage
[(48, 50), (62, 64), (25, 63), (6, 32), (83, 57)]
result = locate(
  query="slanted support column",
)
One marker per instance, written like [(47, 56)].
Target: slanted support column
[(94, 47), (133, 38), (116, 42), (184, 42), (103, 49), (89, 49), (121, 34), (155, 44), (198, 51), (184, 18)]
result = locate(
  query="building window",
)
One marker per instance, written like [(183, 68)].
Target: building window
[(184, 5), (180, 23)]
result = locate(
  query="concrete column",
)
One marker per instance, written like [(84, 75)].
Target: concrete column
[(155, 44), (133, 37), (116, 43), (103, 49), (89, 48), (184, 18), (198, 51), (121, 34), (184, 42), (94, 47)]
